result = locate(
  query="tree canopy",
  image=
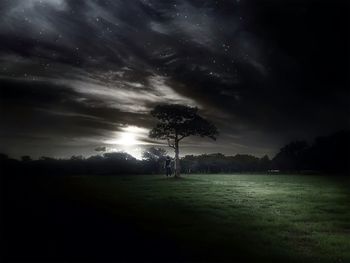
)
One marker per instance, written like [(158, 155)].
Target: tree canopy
[(176, 122), (179, 121)]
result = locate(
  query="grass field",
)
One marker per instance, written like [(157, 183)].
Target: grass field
[(214, 218)]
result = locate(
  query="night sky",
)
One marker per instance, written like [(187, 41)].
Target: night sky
[(78, 76)]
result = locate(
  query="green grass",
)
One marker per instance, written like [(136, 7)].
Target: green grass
[(287, 218)]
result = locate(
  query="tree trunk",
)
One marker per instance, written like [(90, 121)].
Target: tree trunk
[(177, 161)]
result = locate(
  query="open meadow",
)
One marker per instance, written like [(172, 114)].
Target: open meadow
[(205, 218)]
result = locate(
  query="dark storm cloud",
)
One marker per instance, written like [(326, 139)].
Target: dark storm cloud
[(264, 71), (48, 108)]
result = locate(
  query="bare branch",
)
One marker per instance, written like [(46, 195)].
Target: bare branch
[(184, 136)]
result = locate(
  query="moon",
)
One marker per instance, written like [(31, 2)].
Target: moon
[(129, 136), (127, 139)]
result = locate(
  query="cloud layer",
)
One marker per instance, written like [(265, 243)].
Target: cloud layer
[(74, 74)]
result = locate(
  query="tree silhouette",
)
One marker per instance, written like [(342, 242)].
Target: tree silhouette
[(176, 122), (291, 156)]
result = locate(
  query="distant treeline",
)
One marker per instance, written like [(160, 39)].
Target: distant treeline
[(330, 154)]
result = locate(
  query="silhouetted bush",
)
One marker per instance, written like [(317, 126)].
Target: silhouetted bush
[(330, 154), (219, 163)]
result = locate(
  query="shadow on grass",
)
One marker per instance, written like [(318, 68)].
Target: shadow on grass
[(40, 223), (100, 219), (197, 232)]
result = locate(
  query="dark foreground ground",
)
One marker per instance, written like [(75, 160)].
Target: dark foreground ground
[(201, 218)]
